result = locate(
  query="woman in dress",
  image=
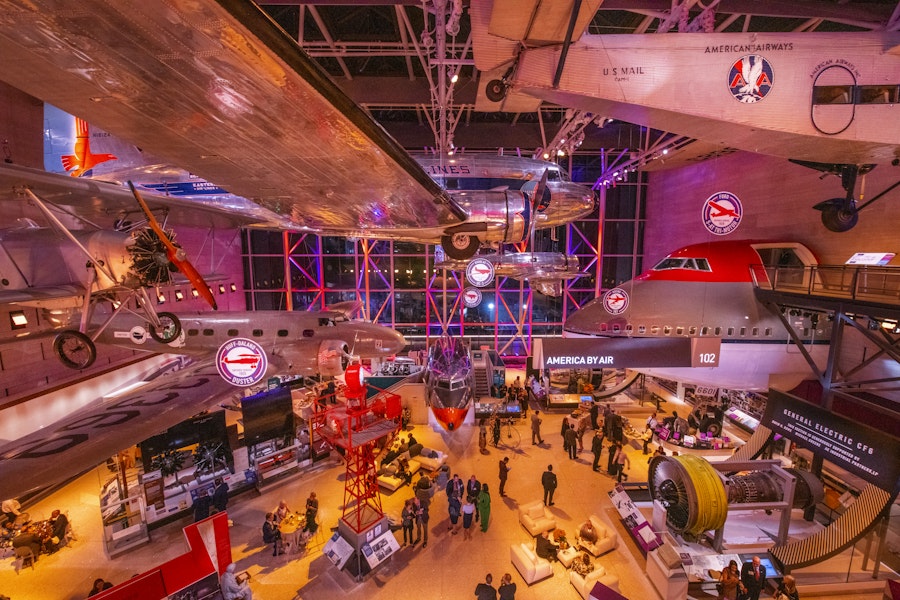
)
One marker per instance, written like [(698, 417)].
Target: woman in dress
[(484, 507), (730, 580), (407, 519), (468, 514)]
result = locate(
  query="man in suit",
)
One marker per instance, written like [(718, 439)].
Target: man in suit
[(548, 481), (753, 576), (473, 488)]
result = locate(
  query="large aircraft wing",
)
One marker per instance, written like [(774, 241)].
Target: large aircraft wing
[(89, 436), (217, 88)]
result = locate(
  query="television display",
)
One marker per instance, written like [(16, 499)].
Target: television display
[(202, 428), (268, 415)]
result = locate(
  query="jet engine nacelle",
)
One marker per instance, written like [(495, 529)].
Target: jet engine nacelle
[(328, 357)]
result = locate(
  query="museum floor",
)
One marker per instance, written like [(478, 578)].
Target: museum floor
[(449, 567)]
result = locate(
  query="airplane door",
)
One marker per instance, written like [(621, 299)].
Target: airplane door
[(833, 106)]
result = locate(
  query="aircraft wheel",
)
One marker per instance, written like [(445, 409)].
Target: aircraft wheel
[(170, 328), (495, 90), (838, 219), (75, 350), (460, 246)]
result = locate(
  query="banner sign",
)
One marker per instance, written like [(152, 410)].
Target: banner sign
[(625, 352), (866, 452)]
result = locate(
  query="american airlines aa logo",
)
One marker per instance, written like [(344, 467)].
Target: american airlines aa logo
[(750, 79)]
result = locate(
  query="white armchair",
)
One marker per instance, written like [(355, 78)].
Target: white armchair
[(607, 539), (536, 518), (431, 459), (585, 584), (530, 566)]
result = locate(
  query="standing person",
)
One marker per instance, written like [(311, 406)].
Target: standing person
[(455, 487), (312, 509), (753, 576), (468, 513), (571, 442), (201, 505), (495, 430), (454, 509), (597, 449), (647, 436), (473, 488), (503, 475), (595, 413), (730, 580), (483, 507), (787, 588), (482, 437), (407, 519), (536, 428), (580, 431), (548, 482), (486, 591), (422, 517), (621, 459), (220, 495), (233, 586), (507, 589), (610, 462)]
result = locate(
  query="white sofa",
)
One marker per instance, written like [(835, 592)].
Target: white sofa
[(607, 539), (529, 565), (431, 459), (387, 473), (585, 584), (536, 518)]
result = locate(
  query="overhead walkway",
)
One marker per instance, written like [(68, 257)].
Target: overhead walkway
[(866, 299)]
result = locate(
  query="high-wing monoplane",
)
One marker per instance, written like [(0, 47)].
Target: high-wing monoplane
[(544, 271)]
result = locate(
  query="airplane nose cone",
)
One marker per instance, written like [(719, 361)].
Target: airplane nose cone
[(377, 341)]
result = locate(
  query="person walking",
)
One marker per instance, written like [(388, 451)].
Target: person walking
[(753, 577), (468, 515), (483, 506), (571, 441), (407, 519), (536, 428), (597, 448), (620, 460), (486, 591), (503, 475), (548, 482)]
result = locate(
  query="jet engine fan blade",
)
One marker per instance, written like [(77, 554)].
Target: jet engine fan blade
[(175, 254)]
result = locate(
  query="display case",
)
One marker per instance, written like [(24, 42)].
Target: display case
[(124, 524)]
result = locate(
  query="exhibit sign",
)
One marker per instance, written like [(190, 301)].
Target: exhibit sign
[(862, 450), (338, 550), (625, 352), (380, 548)]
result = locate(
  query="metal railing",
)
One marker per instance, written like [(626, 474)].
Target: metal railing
[(868, 283)]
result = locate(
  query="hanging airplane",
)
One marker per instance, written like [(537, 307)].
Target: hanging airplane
[(821, 97), (240, 104), (544, 271), (449, 381), (707, 290), (294, 343)]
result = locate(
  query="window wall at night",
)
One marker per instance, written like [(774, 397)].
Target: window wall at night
[(398, 285)]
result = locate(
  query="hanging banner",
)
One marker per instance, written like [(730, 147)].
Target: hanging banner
[(625, 353)]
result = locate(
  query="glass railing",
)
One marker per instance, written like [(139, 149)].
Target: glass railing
[(866, 283)]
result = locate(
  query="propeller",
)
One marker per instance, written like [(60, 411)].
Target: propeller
[(175, 254)]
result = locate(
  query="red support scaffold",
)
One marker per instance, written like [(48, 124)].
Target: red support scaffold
[(356, 426)]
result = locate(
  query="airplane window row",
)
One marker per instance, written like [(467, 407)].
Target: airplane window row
[(208, 332), (692, 331), (691, 264), (856, 94)]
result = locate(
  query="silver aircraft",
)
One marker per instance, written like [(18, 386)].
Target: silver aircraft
[(544, 271)]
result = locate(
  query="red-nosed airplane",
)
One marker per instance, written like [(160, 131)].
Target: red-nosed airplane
[(707, 290)]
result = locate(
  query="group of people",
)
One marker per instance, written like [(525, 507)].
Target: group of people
[(271, 529), (210, 500), (749, 582), (41, 537), (471, 501), (487, 591)]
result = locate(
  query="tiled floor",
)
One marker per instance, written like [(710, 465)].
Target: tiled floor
[(449, 567)]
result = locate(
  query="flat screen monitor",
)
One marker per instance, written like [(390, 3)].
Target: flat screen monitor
[(268, 416)]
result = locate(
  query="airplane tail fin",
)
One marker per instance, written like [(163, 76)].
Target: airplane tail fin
[(74, 147)]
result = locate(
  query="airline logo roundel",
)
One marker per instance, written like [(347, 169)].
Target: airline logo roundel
[(615, 301), (241, 362), (722, 213), (750, 78)]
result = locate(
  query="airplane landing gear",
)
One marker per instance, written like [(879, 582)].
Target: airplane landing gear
[(74, 349), (460, 246), (169, 328)]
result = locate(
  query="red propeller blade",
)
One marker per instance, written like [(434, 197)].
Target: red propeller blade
[(172, 253)]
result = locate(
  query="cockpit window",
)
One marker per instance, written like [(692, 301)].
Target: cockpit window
[(691, 264)]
